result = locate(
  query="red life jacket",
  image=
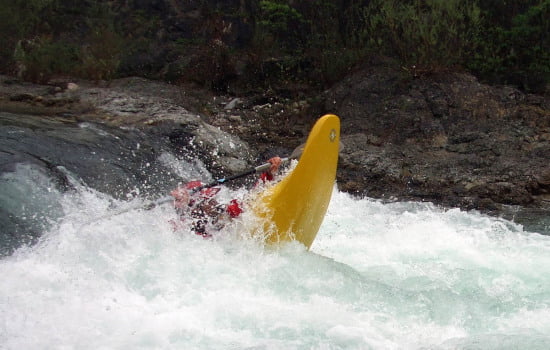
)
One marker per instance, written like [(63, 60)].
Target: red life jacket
[(204, 193), (233, 209), (265, 176)]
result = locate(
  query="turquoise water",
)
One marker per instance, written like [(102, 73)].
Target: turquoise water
[(378, 276)]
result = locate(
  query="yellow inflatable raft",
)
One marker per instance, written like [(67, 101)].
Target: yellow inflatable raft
[(294, 208)]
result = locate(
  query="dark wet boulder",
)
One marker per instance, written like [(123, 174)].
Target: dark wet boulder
[(445, 138)]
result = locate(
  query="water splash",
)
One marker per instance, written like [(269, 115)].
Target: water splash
[(378, 276)]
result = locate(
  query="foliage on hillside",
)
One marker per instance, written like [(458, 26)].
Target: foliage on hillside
[(260, 43)]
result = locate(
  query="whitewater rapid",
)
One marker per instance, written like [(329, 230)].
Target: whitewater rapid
[(378, 276)]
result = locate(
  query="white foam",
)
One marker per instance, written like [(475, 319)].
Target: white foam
[(391, 276)]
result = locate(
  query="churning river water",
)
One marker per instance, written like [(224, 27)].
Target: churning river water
[(378, 276)]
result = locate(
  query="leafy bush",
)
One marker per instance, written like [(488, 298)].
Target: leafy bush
[(19, 19), (100, 57), (280, 26), (39, 59), (43, 38), (427, 34), (334, 64), (515, 49)]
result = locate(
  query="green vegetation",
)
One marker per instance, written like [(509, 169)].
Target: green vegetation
[(19, 19), (427, 34), (280, 25), (40, 59), (42, 39), (514, 47), (274, 42)]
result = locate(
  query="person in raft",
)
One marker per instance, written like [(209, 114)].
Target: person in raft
[(201, 206)]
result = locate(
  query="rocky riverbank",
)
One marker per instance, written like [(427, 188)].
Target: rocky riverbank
[(443, 138)]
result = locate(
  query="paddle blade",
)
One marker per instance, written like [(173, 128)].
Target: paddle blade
[(297, 153)]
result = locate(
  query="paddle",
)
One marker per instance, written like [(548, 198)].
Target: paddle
[(259, 169)]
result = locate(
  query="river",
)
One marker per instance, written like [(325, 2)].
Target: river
[(378, 276)]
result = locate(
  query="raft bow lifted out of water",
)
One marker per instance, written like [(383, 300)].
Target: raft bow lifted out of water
[(294, 208)]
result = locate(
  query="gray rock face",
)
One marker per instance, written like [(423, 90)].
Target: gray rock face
[(114, 140), (447, 139)]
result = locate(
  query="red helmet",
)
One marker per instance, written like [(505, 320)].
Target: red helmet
[(205, 192), (193, 184)]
